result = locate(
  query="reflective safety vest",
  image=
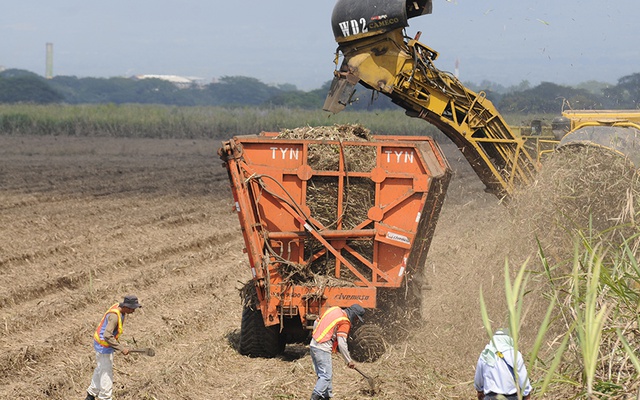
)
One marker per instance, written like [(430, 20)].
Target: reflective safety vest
[(331, 324), (98, 335)]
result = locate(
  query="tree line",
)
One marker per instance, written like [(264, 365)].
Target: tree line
[(20, 86)]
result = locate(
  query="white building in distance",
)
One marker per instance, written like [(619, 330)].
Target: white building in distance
[(180, 81)]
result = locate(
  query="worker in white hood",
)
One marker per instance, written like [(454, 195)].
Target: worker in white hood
[(498, 369)]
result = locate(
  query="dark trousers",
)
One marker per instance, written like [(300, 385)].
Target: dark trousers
[(496, 396)]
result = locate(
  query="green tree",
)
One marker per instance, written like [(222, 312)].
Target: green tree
[(626, 94), (594, 87), (297, 99), (240, 90), (120, 90), (520, 87), (287, 87), (548, 98), (27, 89)]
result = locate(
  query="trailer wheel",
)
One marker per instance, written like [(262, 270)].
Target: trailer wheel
[(367, 343), (257, 340)]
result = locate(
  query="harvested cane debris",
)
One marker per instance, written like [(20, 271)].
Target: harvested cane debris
[(322, 198), (586, 189), (327, 157)]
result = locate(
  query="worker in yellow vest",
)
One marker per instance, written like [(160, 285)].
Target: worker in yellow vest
[(105, 343), (329, 335)]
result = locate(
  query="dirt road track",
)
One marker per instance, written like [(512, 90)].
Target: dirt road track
[(86, 220)]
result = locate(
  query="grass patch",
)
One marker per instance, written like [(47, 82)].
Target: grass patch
[(156, 121)]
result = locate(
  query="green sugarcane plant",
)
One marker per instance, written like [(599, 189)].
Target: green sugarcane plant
[(514, 292), (589, 320)]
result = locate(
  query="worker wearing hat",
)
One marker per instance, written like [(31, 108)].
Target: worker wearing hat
[(329, 335), (105, 343), (496, 370)]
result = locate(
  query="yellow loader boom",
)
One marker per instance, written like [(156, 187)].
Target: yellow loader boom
[(377, 54)]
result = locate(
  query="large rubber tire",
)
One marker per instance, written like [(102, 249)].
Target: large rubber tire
[(257, 340), (367, 343)]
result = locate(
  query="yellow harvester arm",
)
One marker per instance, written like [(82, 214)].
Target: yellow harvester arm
[(379, 56), (404, 71)]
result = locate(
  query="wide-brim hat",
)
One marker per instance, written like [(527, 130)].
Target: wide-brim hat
[(355, 310), (130, 301)]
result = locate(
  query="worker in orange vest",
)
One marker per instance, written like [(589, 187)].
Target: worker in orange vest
[(329, 335), (105, 343)]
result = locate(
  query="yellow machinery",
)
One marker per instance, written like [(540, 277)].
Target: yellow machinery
[(377, 54), (614, 130)]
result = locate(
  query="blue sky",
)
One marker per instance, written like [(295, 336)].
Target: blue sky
[(290, 41)]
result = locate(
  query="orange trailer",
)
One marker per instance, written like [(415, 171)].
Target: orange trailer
[(380, 202)]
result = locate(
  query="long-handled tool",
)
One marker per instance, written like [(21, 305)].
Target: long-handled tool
[(371, 381), (146, 351)]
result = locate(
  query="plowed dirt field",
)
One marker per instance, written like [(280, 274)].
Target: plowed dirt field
[(84, 221)]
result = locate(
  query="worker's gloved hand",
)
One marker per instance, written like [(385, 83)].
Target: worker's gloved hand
[(125, 351), (351, 365), (480, 395)]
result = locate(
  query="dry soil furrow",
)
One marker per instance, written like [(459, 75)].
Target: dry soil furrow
[(109, 230), (168, 325), (25, 353), (51, 275), (52, 220), (158, 181), (151, 265)]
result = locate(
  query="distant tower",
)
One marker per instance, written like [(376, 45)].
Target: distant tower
[(49, 71), (456, 72)]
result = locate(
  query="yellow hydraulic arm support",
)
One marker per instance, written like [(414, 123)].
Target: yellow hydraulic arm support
[(403, 69)]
